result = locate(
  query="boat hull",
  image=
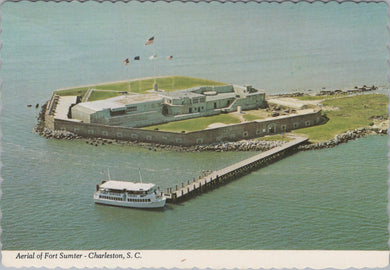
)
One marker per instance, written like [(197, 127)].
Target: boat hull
[(152, 204)]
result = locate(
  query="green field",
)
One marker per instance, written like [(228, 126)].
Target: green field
[(350, 113), (248, 116), (99, 95), (195, 124), (140, 86), (72, 92)]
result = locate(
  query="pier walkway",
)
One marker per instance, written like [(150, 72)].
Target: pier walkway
[(197, 186)]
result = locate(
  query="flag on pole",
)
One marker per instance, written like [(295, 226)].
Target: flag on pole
[(169, 57), (153, 57), (149, 41), (126, 61), (137, 58)]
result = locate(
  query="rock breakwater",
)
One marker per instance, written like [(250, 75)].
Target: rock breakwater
[(40, 125), (343, 138), (43, 131), (245, 145), (57, 134), (355, 90)]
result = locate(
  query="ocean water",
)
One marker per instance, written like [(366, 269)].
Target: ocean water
[(325, 199)]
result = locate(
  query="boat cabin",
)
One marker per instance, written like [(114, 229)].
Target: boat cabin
[(120, 187)]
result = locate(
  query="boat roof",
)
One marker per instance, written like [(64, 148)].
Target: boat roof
[(121, 185)]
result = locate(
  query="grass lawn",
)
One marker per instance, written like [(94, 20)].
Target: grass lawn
[(354, 112), (99, 95), (180, 82), (251, 117), (140, 86), (196, 123), (255, 115), (72, 92)]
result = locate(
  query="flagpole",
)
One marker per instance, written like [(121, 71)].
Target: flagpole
[(154, 67), (126, 62), (140, 176), (155, 87), (173, 77), (153, 57), (129, 79)]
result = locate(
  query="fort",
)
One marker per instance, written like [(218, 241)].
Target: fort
[(124, 117), (133, 117), (156, 107)]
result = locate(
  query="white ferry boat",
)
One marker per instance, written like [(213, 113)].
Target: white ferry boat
[(129, 194)]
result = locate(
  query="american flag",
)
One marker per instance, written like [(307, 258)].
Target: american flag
[(149, 41)]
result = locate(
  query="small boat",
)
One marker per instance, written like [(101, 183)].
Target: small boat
[(129, 194)]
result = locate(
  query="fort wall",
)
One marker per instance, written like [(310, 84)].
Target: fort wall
[(49, 122), (235, 132)]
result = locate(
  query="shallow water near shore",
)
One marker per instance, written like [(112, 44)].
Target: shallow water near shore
[(322, 199)]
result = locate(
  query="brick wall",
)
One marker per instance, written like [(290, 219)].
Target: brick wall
[(227, 133)]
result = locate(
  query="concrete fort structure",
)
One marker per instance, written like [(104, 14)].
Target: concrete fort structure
[(122, 117), (236, 132), (157, 107)]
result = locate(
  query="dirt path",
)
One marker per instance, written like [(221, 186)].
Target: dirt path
[(294, 103)]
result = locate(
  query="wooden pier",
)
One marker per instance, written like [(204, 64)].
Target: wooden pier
[(197, 186)]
